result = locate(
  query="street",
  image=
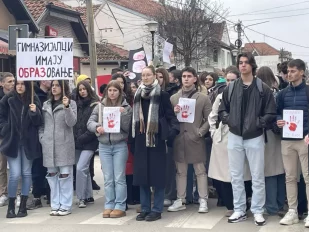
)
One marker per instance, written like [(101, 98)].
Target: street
[(90, 219)]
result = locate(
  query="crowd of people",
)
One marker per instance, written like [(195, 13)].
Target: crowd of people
[(235, 142)]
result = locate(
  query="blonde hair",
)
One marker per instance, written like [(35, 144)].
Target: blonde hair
[(116, 85)]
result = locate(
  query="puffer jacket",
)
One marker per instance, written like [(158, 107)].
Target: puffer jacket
[(261, 110), (112, 138), (84, 139)]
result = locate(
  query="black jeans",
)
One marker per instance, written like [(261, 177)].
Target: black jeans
[(133, 192), (170, 175), (40, 186)]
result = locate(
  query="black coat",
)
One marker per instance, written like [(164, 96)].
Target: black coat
[(19, 126), (149, 163), (260, 113), (84, 139), (43, 96)]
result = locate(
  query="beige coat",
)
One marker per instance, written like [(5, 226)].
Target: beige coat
[(189, 145), (273, 155), (219, 162)]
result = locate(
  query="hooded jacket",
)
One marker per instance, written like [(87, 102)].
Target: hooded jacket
[(125, 122)]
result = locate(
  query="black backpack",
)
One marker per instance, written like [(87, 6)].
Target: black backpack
[(216, 91)]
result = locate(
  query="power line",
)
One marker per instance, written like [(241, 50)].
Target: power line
[(272, 8), (279, 17), (274, 12)]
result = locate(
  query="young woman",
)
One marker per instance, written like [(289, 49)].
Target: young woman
[(19, 123), (153, 122), (85, 142), (113, 150), (57, 139), (210, 80), (274, 169), (162, 77), (134, 87), (126, 90)]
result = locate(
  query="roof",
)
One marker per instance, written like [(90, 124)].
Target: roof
[(218, 30), (122, 52), (21, 13), (263, 49), (105, 53), (83, 11), (149, 8), (37, 7)]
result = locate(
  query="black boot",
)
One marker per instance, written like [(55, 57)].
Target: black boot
[(11, 208), (22, 212)]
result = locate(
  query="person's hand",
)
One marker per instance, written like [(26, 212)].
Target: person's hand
[(177, 109), (65, 101), (32, 107), (306, 139), (121, 109), (100, 130), (126, 74), (280, 123)]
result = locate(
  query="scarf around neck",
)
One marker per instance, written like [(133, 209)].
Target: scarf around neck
[(152, 93)]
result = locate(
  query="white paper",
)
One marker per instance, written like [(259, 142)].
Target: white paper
[(44, 59), (294, 124), (168, 48), (111, 119), (187, 110)]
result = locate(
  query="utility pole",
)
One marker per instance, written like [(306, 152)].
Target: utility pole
[(92, 44), (238, 42)]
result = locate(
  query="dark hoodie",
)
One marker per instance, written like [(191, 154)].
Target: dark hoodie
[(43, 97), (172, 88)]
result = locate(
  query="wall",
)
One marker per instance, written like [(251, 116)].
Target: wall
[(64, 29), (270, 61), (136, 34), (6, 18)]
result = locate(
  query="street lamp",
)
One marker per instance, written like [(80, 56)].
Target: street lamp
[(235, 53), (152, 27)]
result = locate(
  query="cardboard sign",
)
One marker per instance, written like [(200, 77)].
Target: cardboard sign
[(187, 110), (168, 49), (44, 59), (137, 62), (111, 119), (293, 124)]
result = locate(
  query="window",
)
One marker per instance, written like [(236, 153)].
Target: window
[(215, 55)]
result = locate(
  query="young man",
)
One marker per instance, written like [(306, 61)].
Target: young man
[(189, 145), (7, 85), (247, 106), (294, 97)]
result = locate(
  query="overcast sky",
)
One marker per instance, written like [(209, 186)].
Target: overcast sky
[(291, 29)]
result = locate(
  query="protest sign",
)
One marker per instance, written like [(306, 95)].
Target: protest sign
[(168, 49), (187, 110), (111, 119), (293, 127), (137, 62), (44, 59)]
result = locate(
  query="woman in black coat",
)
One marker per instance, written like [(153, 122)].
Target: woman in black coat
[(154, 122), (86, 142), (19, 123)]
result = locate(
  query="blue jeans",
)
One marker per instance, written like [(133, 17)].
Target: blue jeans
[(145, 195), (61, 188), (238, 150), (19, 167), (275, 193), (113, 161)]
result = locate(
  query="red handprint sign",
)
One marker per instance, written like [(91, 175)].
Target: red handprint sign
[(185, 111), (293, 123), (111, 121)]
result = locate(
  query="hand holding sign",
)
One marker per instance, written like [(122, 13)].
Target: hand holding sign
[(177, 109), (121, 109), (100, 130), (32, 107), (65, 101)]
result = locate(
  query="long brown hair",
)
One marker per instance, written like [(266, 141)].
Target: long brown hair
[(116, 85), (165, 77), (91, 93)]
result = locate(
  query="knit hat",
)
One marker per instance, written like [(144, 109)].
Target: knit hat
[(82, 78)]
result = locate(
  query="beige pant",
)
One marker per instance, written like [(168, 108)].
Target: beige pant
[(291, 152), (3, 175), (181, 180)]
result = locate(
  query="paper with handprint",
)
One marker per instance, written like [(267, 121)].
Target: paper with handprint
[(187, 110), (111, 119), (293, 127)]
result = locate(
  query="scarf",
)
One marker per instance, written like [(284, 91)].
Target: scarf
[(151, 92)]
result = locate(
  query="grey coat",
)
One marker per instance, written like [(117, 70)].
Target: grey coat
[(56, 134), (111, 138)]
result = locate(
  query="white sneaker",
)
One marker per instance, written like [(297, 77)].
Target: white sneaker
[(54, 212), (237, 217), (82, 204), (3, 200), (203, 206), (18, 201), (290, 218), (63, 212), (167, 202), (306, 220), (259, 219), (177, 206)]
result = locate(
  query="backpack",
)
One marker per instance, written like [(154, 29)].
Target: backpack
[(215, 91)]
